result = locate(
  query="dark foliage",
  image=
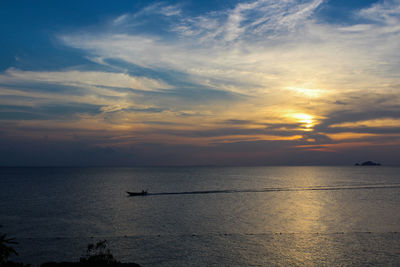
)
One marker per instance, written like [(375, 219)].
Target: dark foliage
[(79, 264), (6, 250), (97, 255), (14, 264)]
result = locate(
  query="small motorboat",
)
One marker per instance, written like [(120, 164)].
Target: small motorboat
[(143, 193)]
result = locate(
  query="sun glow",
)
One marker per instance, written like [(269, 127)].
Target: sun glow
[(306, 120), (313, 93)]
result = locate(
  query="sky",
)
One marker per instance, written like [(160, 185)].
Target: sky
[(259, 82)]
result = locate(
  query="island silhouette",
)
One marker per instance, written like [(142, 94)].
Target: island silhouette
[(368, 163)]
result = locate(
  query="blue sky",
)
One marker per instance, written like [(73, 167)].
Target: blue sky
[(199, 82)]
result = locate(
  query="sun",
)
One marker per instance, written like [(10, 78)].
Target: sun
[(306, 120)]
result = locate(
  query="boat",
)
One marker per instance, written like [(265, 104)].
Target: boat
[(143, 193)]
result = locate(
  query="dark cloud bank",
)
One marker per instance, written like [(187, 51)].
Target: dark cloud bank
[(78, 153)]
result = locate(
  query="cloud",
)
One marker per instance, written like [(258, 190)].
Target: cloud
[(385, 12), (121, 19), (258, 47), (74, 99), (160, 8), (209, 56), (83, 79)]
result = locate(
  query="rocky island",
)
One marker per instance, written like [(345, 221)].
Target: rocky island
[(368, 163)]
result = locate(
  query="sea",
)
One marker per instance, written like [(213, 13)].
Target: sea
[(206, 216)]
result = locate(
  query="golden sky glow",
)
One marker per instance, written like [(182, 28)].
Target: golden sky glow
[(386, 122)]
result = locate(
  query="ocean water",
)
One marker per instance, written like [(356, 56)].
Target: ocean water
[(206, 216)]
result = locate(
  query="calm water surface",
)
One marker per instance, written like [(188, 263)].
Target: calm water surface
[(258, 216)]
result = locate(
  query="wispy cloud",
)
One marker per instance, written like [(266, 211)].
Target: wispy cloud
[(83, 79), (159, 8), (258, 46)]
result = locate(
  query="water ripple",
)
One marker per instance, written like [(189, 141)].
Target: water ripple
[(280, 189)]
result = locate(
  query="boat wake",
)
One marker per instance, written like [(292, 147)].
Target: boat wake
[(281, 189)]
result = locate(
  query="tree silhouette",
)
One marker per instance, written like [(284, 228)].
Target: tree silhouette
[(6, 250), (98, 255)]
